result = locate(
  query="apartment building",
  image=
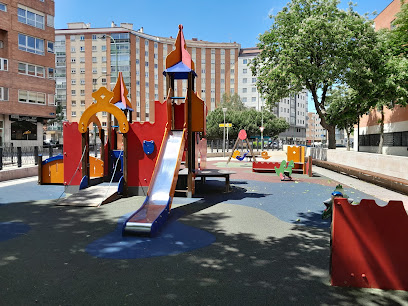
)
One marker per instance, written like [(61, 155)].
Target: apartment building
[(27, 64), (315, 133), (367, 135), (87, 58), (293, 108)]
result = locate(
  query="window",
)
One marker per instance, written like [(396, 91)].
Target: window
[(73, 114), (253, 99), (146, 53), (103, 59), (82, 82), (146, 42), (245, 61), (94, 70), (73, 71), (232, 71), (51, 73), (73, 92), (147, 64), (73, 60), (4, 94), (103, 48), (73, 103), (244, 90), (50, 47), (72, 49), (244, 80), (51, 99), (146, 74), (82, 59), (104, 81), (25, 96), (72, 37), (30, 17), (19, 130), (244, 99), (253, 89), (3, 64), (104, 114), (244, 70), (82, 92), (253, 80), (94, 37), (104, 124), (94, 60), (82, 37), (82, 102), (3, 7), (30, 44), (73, 82), (50, 21), (82, 49), (32, 70)]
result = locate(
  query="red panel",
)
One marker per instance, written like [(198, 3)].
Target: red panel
[(178, 116), (141, 165), (264, 166), (369, 245), (72, 153)]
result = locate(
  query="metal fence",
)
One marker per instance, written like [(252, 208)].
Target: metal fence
[(216, 145), (24, 156)]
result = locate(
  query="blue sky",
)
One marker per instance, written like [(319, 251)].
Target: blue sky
[(211, 20)]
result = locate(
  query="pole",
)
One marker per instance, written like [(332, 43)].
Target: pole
[(224, 109)]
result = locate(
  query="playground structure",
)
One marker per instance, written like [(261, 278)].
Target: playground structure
[(295, 154), (369, 245), (136, 155), (241, 139)]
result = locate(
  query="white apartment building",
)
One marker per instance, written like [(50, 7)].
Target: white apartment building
[(293, 109)]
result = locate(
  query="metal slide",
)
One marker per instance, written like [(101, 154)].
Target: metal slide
[(156, 207)]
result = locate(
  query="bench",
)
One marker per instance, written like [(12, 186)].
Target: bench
[(203, 174)]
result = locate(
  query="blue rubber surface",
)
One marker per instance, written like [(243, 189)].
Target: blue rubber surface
[(293, 202), (29, 191), (10, 230), (174, 238)]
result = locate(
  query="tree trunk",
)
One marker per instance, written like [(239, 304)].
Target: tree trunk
[(332, 137), (348, 139), (380, 145)]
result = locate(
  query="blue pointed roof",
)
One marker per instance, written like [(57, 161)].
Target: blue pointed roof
[(180, 71)]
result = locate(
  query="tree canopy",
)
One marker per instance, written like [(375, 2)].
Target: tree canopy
[(248, 119), (315, 45)]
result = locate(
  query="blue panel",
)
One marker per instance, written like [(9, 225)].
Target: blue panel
[(57, 157), (121, 185), (84, 183), (148, 146)]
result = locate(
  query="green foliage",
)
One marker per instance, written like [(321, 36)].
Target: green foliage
[(315, 45), (400, 31), (59, 116), (249, 119), (232, 102)]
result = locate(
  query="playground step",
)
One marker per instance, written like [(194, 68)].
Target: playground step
[(92, 196)]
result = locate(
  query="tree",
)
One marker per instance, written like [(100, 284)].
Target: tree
[(313, 44), (344, 111), (232, 102), (248, 119)]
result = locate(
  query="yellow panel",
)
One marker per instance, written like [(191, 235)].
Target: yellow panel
[(53, 172), (95, 167), (197, 111), (102, 97), (294, 154)]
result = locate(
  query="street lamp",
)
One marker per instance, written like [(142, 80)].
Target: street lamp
[(116, 50), (224, 109)]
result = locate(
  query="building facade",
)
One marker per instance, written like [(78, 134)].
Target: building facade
[(293, 108), (27, 64), (315, 133), (87, 58), (367, 138)]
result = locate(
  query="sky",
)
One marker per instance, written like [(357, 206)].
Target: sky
[(210, 20)]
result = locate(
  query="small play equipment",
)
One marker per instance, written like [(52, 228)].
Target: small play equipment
[(285, 170), (242, 136), (296, 154), (369, 245), (265, 155)]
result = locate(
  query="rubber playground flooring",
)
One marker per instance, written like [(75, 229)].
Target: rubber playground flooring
[(264, 243)]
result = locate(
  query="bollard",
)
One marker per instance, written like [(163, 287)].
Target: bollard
[(36, 155), (1, 158), (19, 157), (212, 146), (39, 159), (50, 151)]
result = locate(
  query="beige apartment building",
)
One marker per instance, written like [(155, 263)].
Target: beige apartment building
[(27, 64), (87, 58)]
